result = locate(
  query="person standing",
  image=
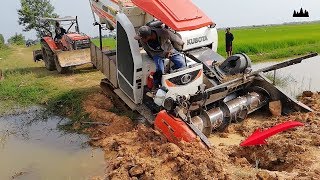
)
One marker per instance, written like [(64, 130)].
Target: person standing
[(158, 42), (229, 39)]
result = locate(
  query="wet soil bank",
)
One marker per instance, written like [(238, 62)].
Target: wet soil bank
[(139, 152)]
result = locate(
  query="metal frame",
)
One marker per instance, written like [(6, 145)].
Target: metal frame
[(73, 20)]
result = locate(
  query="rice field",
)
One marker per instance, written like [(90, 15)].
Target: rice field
[(109, 43), (274, 42), (265, 43)]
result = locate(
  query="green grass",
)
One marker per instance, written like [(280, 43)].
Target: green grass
[(109, 43), (28, 83), (4, 52), (69, 104), (274, 42)]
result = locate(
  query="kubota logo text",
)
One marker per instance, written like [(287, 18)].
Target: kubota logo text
[(197, 40)]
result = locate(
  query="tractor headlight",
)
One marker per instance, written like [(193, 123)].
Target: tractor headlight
[(84, 41)]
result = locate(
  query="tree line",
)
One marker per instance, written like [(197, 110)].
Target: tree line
[(17, 39), (29, 17)]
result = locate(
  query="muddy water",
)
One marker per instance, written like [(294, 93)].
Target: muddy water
[(297, 78), (35, 149)]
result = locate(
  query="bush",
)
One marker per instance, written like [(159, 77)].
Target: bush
[(17, 39), (1, 39)]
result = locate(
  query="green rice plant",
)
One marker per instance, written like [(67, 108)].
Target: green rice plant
[(106, 43), (274, 42)]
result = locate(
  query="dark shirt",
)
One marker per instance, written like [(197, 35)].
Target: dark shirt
[(229, 39), (155, 44), (60, 32)]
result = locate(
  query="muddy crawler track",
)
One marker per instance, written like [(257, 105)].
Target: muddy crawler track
[(142, 114), (107, 89)]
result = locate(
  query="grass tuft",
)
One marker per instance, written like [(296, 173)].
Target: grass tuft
[(69, 104)]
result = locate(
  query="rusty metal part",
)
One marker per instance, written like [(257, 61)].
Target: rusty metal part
[(275, 108)]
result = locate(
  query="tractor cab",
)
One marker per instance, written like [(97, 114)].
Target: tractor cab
[(65, 33), (62, 44)]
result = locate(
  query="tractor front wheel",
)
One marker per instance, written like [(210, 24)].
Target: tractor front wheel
[(48, 58)]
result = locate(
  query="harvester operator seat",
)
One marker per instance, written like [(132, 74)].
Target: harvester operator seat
[(235, 64)]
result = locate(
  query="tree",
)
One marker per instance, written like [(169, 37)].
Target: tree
[(31, 11), (17, 39), (1, 40)]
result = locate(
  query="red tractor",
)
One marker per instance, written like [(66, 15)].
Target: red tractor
[(66, 48)]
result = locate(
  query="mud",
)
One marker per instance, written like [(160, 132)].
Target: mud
[(99, 106), (139, 152)]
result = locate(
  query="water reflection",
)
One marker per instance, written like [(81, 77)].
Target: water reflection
[(33, 149), (297, 78)]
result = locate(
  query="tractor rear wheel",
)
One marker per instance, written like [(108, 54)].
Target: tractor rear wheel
[(61, 70), (48, 58)]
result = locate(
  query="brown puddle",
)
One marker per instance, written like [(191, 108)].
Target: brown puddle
[(35, 149)]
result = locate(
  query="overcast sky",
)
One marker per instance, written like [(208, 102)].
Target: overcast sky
[(225, 13)]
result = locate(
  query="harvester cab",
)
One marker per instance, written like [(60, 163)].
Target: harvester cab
[(207, 95), (63, 47)]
